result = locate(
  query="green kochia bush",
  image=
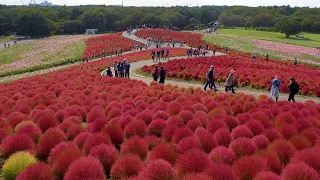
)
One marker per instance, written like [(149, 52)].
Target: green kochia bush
[(16, 163)]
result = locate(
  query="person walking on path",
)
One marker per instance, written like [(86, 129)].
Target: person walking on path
[(295, 62), (5, 45), (275, 88), (127, 70), (214, 52), (167, 54), (267, 57), (162, 75), (119, 69), (293, 89), (254, 56), (226, 50), (230, 81), (155, 74), (153, 54), (162, 53), (204, 52), (158, 55), (115, 68), (210, 79)]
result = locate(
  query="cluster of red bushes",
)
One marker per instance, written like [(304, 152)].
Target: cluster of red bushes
[(81, 125), (257, 74), (110, 43)]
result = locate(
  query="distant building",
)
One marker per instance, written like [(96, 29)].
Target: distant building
[(92, 31), (43, 4)]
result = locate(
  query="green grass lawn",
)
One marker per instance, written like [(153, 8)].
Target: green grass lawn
[(311, 40), (7, 39)]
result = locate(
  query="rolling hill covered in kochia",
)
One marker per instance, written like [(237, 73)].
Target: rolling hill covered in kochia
[(255, 73), (75, 124)]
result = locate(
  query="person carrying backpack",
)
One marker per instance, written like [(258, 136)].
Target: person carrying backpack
[(293, 88), (230, 82)]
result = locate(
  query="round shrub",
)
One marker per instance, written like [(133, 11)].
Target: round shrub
[(95, 140), (106, 154), (152, 141), (61, 147), (49, 140), (173, 108), (156, 127), (75, 130), (255, 126), (192, 161), (136, 127), (223, 155), (126, 166), (81, 138), (221, 172), (96, 113), (249, 166), (116, 112), (207, 140), (85, 168), (300, 142), (15, 118), (158, 169), (165, 151), (181, 133), (135, 145), (46, 119), (241, 131), (186, 116), (187, 144), (223, 137), (243, 146), (16, 163), (97, 125), (309, 156), (193, 176), (29, 128), (64, 159), (267, 175), (214, 125), (283, 149), (16, 142), (38, 171), (287, 130), (272, 134), (272, 160), (115, 132), (299, 171), (261, 141), (168, 132)]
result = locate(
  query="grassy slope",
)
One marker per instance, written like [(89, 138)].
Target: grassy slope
[(311, 40), (7, 39)]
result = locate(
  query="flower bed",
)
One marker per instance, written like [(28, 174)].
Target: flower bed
[(81, 125), (257, 74)]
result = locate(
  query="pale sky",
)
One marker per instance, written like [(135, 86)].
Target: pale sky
[(310, 3)]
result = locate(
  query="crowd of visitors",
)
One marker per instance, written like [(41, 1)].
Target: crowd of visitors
[(121, 69), (162, 74)]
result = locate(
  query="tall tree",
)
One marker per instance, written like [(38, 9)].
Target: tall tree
[(289, 26)]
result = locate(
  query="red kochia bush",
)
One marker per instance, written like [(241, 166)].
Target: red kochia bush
[(64, 159), (267, 175), (81, 138), (261, 141), (223, 155), (96, 113), (180, 134), (309, 156), (272, 134), (241, 131), (299, 171), (158, 169), (165, 151), (188, 143), (156, 127), (215, 125), (74, 130), (116, 112), (38, 171), (192, 161), (173, 108), (243, 146), (136, 127), (115, 132), (49, 140), (95, 140), (255, 126), (16, 118), (249, 166), (106, 154), (16, 142), (85, 168), (46, 119), (221, 172), (287, 130), (284, 150), (223, 137), (54, 153), (193, 176), (168, 132), (126, 166), (272, 160), (135, 145), (28, 128), (300, 142), (207, 140)]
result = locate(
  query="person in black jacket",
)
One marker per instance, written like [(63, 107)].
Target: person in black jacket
[(210, 79), (293, 88), (162, 75)]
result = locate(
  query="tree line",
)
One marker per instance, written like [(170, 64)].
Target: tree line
[(40, 21)]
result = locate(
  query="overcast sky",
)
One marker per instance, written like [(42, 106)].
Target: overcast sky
[(310, 3)]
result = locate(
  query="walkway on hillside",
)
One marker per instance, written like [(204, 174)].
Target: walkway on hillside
[(137, 65), (12, 43)]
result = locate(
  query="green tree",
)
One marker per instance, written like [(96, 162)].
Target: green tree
[(289, 26), (33, 23), (93, 19), (75, 13)]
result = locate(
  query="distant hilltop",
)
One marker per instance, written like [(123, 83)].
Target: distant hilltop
[(44, 3)]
